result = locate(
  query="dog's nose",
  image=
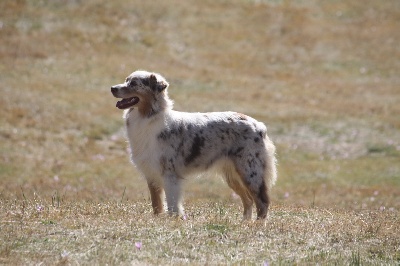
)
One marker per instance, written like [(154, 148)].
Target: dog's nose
[(114, 89)]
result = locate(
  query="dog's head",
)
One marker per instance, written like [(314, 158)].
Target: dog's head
[(141, 89)]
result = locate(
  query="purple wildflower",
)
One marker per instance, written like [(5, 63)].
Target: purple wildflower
[(138, 245)]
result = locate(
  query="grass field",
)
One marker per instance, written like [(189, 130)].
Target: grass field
[(323, 75)]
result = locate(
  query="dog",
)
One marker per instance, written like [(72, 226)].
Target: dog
[(167, 146)]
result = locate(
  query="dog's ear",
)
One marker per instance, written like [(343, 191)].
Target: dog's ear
[(157, 85)]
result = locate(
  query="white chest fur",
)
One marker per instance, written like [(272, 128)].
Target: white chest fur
[(142, 134)]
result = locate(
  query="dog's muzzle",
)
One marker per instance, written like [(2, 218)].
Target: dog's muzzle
[(125, 102)]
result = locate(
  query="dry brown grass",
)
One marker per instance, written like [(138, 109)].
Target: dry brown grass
[(108, 232), (323, 75)]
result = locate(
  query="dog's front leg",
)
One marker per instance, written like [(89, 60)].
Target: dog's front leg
[(172, 186), (157, 197)]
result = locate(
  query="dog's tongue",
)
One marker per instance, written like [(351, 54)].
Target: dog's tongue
[(126, 103)]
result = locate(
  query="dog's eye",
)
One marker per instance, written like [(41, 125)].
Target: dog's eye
[(132, 83)]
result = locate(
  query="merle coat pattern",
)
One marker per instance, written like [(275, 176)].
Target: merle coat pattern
[(168, 146)]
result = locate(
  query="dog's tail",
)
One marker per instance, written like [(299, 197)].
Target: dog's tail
[(270, 161)]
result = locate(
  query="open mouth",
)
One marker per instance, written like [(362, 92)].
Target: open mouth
[(127, 102)]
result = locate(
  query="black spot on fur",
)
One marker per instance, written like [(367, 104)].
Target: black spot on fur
[(152, 112), (262, 193), (145, 82), (171, 165), (180, 129), (133, 83), (257, 139), (164, 135), (235, 152), (173, 132), (239, 150), (198, 143)]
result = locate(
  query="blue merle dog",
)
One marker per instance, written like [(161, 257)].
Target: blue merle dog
[(168, 146)]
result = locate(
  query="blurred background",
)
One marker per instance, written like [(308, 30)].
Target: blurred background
[(324, 76)]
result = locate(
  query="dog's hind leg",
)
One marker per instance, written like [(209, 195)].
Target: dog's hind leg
[(261, 198), (253, 180), (235, 183), (259, 192), (172, 186), (157, 195)]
